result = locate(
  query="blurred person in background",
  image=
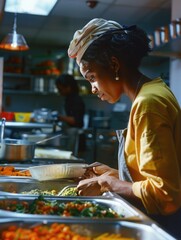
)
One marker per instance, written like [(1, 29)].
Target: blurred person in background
[(149, 157), (74, 107)]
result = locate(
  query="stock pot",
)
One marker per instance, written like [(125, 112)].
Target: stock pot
[(16, 149)]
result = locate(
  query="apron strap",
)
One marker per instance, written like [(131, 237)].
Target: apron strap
[(124, 173)]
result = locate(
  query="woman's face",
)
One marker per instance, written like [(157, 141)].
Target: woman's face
[(102, 81)]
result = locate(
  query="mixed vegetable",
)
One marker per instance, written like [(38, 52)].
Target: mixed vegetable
[(69, 191), (76, 208)]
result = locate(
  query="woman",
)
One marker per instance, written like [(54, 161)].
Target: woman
[(149, 175), (74, 107)]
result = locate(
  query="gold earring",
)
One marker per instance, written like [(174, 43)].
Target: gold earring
[(94, 91), (116, 76)]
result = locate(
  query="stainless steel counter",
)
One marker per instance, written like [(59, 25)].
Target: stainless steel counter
[(29, 125)]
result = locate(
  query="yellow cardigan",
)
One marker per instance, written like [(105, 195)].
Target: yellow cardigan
[(153, 148)]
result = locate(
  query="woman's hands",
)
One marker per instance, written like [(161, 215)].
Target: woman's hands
[(101, 179), (89, 187), (95, 183), (106, 170), (100, 170)]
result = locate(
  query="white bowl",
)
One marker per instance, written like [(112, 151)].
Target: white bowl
[(57, 171)]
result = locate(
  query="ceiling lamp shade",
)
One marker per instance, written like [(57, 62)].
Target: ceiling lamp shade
[(14, 41)]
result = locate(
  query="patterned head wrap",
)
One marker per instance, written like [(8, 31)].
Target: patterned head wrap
[(89, 33)]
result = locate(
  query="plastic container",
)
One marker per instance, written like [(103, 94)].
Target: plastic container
[(22, 116), (57, 171), (9, 116)]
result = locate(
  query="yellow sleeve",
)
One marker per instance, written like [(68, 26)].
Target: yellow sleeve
[(160, 189)]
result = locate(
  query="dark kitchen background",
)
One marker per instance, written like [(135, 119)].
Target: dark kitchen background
[(28, 77)]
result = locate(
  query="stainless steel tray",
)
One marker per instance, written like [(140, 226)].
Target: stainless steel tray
[(116, 203), (18, 165), (22, 167), (15, 186), (94, 228)]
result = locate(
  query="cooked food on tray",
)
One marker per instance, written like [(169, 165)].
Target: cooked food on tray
[(40, 192), (67, 191), (12, 171), (78, 208), (57, 231), (113, 236)]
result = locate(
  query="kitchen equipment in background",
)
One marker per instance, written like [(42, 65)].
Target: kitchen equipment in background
[(48, 138), (175, 28), (42, 138), (9, 116), (33, 137), (45, 84), (97, 119), (42, 115), (52, 153), (14, 41), (2, 128), (16, 150), (39, 84), (22, 116), (101, 122)]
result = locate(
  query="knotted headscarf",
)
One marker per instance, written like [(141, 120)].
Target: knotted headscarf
[(89, 33)]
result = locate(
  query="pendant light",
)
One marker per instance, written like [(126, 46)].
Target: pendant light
[(14, 41)]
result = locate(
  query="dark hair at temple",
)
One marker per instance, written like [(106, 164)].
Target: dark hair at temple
[(67, 80), (129, 45)]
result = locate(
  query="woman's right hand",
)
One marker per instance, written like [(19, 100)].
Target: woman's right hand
[(99, 171), (106, 170), (89, 187)]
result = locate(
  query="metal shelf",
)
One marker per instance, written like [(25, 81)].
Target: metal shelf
[(29, 125), (169, 49)]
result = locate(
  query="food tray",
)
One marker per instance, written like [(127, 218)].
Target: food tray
[(17, 168), (16, 186), (17, 165), (94, 228), (110, 200), (23, 167)]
